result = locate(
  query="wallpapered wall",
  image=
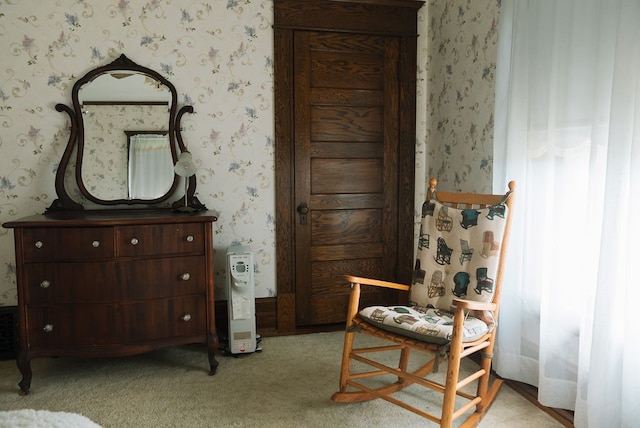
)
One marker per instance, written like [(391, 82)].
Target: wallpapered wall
[(461, 65), (219, 55)]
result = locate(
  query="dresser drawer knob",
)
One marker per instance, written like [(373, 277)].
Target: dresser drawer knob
[(187, 317), (45, 284), (134, 241), (48, 328), (185, 276), (190, 238), (95, 244), (39, 244)]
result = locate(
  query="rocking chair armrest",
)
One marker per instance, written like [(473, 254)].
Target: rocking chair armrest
[(473, 305), (376, 283)]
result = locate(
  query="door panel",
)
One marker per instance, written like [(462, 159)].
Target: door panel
[(346, 167), (328, 275), (334, 227), (346, 123), (333, 69), (353, 176)]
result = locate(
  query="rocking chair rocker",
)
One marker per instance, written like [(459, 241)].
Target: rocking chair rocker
[(434, 324)]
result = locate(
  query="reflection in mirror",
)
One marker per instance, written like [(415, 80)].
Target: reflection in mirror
[(123, 85), (150, 164), (106, 149)]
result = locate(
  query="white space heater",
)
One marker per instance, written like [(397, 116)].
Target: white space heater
[(241, 302)]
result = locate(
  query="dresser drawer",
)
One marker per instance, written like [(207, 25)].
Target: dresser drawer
[(67, 243), (167, 318), (74, 325), (160, 239), (164, 277), (55, 283)]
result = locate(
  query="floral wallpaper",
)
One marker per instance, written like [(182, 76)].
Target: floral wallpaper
[(461, 66), (219, 55)]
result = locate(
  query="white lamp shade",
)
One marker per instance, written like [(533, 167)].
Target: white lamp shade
[(185, 167)]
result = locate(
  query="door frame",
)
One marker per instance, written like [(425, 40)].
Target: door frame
[(376, 17)]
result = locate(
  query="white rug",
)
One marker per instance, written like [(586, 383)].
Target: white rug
[(29, 418)]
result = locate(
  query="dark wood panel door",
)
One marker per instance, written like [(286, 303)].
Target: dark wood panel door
[(345, 90), (346, 167)]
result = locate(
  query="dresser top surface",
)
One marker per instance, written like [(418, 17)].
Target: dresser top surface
[(111, 218)]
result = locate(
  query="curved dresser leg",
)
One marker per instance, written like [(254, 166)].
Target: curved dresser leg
[(24, 365), (213, 347)]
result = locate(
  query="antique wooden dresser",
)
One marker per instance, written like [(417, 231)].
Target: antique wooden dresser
[(113, 284)]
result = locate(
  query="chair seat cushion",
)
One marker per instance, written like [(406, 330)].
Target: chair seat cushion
[(428, 325)]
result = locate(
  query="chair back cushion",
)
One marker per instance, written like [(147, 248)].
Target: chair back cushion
[(458, 254)]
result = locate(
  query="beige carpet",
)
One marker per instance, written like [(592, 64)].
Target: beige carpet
[(288, 384)]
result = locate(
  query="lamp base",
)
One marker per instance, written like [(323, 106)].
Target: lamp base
[(188, 205), (184, 209)]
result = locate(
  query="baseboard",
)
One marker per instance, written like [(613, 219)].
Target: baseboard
[(266, 316), (267, 320), (8, 332), (565, 417)]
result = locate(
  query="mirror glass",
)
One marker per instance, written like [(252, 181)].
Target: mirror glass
[(127, 154)]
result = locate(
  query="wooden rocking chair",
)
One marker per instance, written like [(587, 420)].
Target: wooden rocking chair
[(425, 324)]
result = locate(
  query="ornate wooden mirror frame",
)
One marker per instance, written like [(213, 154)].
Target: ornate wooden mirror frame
[(121, 68)]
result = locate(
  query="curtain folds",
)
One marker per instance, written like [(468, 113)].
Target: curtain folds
[(568, 131), (150, 166)]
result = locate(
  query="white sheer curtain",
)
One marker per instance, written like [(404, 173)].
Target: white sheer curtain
[(567, 129), (150, 166)]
